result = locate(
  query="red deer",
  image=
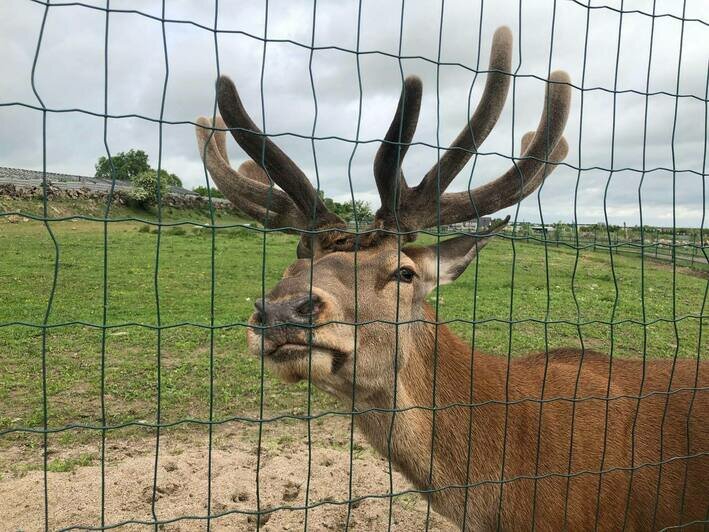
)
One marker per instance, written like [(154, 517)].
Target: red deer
[(567, 439)]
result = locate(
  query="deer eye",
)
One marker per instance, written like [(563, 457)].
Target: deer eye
[(404, 275)]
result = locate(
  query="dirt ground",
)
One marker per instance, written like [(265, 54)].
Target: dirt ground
[(74, 496)]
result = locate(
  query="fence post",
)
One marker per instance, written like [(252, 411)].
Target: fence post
[(558, 234), (595, 237)]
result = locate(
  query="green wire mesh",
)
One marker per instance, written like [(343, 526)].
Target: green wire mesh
[(575, 237)]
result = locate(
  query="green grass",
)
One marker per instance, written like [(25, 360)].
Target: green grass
[(67, 465), (183, 278)]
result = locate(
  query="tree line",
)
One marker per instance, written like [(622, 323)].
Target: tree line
[(134, 167)]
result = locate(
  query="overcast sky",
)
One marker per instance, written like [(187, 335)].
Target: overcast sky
[(548, 35)]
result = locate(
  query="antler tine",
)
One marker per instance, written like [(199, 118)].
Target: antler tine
[(391, 152), (481, 123), (557, 155), (273, 160), (270, 206), (251, 170), (545, 149)]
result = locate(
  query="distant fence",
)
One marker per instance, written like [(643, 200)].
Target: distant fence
[(684, 250)]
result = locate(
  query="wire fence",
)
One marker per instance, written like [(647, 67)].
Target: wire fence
[(687, 250), (628, 426)]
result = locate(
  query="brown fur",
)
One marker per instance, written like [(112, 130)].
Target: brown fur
[(587, 456), (561, 440), (568, 495)]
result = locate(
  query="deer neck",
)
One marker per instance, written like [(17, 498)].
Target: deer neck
[(405, 436), (439, 352)]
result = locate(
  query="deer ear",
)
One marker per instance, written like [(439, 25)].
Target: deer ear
[(305, 248), (295, 267), (455, 254)]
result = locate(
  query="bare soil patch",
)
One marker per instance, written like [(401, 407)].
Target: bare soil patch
[(182, 485)]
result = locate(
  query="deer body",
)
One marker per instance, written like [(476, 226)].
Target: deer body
[(597, 444), (561, 440)]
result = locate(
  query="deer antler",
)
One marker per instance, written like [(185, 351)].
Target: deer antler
[(416, 207), (387, 163), (298, 206), (266, 154), (546, 148), (481, 123), (250, 188), (268, 205)]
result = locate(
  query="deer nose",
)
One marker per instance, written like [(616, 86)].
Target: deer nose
[(258, 304), (297, 310)]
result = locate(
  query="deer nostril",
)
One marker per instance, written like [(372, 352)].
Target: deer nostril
[(309, 306), (258, 304), (259, 317)]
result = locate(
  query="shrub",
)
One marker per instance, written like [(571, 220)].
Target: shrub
[(202, 191), (145, 187)]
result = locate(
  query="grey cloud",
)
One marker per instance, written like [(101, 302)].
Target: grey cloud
[(70, 74)]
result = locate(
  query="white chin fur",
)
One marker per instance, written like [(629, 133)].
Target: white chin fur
[(297, 369)]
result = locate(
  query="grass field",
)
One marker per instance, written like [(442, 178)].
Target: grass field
[(511, 281)]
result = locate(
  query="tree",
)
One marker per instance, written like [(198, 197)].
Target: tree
[(171, 179), (126, 165), (346, 210), (202, 191)]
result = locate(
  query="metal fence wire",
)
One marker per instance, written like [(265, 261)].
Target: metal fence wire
[(514, 489)]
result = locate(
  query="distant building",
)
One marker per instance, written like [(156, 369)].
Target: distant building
[(472, 225), (541, 229)]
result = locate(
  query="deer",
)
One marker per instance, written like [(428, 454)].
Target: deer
[(567, 439)]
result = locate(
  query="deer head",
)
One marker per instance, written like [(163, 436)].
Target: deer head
[(305, 327)]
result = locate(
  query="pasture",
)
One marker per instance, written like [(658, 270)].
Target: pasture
[(518, 298), (553, 297)]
